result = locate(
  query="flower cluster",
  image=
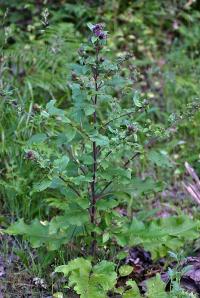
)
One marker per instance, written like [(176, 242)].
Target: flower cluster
[(98, 31)]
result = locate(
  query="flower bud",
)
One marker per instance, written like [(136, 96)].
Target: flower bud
[(132, 128), (30, 155), (74, 76), (81, 52)]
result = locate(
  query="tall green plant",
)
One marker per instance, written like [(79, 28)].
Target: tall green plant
[(88, 161)]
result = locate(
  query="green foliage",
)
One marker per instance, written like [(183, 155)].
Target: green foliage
[(125, 270), (156, 288), (52, 234), (133, 292), (48, 128), (90, 281), (175, 275), (95, 281), (77, 156), (88, 159), (160, 235)]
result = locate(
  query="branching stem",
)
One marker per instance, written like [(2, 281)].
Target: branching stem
[(70, 186), (102, 193)]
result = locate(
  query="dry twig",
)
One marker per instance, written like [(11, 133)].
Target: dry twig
[(192, 188)]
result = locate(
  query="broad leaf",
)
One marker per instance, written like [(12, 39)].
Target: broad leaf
[(125, 270), (90, 282), (156, 288), (37, 138)]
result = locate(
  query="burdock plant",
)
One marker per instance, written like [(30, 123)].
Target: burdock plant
[(110, 143), (88, 157)]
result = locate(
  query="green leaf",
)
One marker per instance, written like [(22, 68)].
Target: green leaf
[(94, 39), (100, 140), (156, 288), (125, 270), (106, 204), (76, 215), (90, 26), (136, 99), (105, 97), (108, 66), (38, 234), (89, 110), (70, 133), (104, 274), (61, 163), (106, 237), (79, 69), (67, 136), (84, 202), (37, 138), (133, 292), (83, 265), (139, 187), (41, 186), (53, 111), (90, 282), (87, 159), (159, 158), (159, 235), (79, 271), (122, 255)]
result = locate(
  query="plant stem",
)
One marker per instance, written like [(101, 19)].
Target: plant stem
[(118, 117), (94, 153)]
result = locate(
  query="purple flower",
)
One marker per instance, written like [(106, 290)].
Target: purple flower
[(102, 35), (98, 31)]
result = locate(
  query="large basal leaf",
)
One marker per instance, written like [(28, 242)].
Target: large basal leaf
[(106, 272), (51, 234), (90, 282), (160, 235), (78, 271)]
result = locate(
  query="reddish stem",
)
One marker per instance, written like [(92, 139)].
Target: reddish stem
[(94, 146)]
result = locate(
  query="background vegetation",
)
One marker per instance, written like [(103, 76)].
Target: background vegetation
[(39, 41)]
